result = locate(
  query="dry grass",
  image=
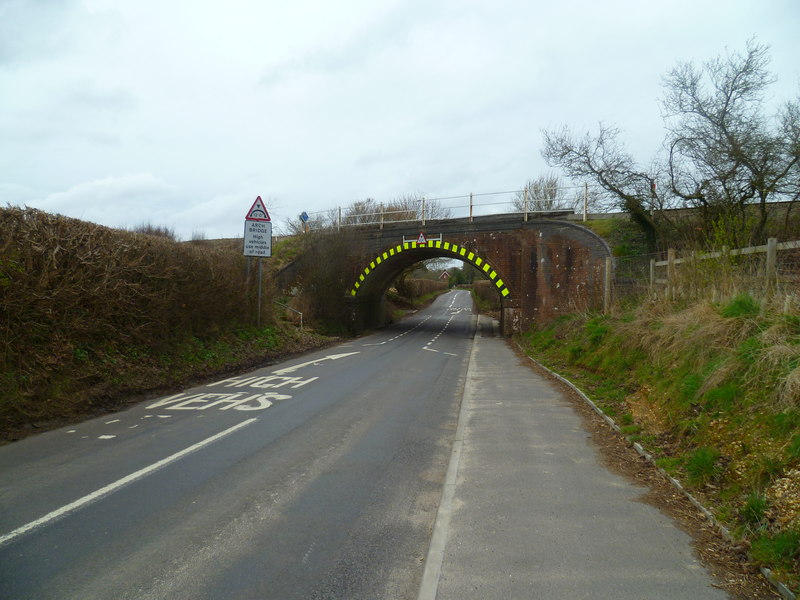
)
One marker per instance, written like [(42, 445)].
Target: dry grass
[(699, 331)]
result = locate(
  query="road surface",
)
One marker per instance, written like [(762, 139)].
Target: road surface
[(420, 462), (316, 478)]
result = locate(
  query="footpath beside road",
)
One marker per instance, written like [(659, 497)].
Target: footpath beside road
[(528, 511)]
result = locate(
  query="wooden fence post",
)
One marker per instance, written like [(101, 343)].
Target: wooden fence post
[(771, 274), (671, 274), (607, 285)]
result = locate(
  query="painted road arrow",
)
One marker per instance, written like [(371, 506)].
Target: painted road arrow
[(294, 368)]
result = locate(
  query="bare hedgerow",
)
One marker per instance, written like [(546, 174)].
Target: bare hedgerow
[(70, 290)]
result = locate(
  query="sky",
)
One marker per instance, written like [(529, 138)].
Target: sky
[(178, 113)]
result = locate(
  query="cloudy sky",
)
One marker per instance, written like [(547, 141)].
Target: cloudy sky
[(180, 112)]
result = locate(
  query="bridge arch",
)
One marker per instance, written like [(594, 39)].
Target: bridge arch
[(383, 268)]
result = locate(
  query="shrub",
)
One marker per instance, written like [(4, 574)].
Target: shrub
[(701, 466), (781, 549), (753, 513), (742, 305)]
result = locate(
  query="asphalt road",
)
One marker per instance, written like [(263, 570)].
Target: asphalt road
[(316, 478)]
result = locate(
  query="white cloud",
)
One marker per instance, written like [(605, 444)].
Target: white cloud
[(315, 104), (123, 201)]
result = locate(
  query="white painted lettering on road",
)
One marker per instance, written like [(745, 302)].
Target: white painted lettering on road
[(270, 381), (204, 401)]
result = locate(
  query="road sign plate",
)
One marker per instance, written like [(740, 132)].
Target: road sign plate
[(258, 212), (257, 238)]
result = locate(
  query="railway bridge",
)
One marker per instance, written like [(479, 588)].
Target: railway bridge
[(540, 265)]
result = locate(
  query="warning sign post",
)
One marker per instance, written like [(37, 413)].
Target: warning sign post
[(258, 241)]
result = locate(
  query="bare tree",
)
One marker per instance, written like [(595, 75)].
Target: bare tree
[(148, 228), (361, 212), (540, 194), (409, 207), (601, 158), (724, 152)]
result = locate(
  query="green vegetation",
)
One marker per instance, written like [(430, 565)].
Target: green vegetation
[(701, 465), (712, 390), (742, 305), (94, 315), (781, 550)]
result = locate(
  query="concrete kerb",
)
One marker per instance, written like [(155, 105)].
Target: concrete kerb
[(779, 587)]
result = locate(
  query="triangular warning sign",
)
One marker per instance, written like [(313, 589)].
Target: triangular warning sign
[(421, 239), (258, 212)]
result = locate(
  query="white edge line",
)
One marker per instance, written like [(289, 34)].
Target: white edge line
[(111, 487), (435, 558)]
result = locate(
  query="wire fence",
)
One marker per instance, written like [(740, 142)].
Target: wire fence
[(769, 273)]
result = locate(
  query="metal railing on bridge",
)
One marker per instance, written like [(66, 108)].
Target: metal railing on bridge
[(472, 205)]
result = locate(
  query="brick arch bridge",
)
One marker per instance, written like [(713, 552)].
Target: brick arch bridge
[(540, 268)]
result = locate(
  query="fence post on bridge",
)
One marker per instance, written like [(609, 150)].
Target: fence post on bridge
[(423, 211), (525, 203), (470, 207), (585, 201)]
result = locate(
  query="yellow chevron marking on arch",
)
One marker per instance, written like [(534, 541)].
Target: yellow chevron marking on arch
[(455, 249)]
